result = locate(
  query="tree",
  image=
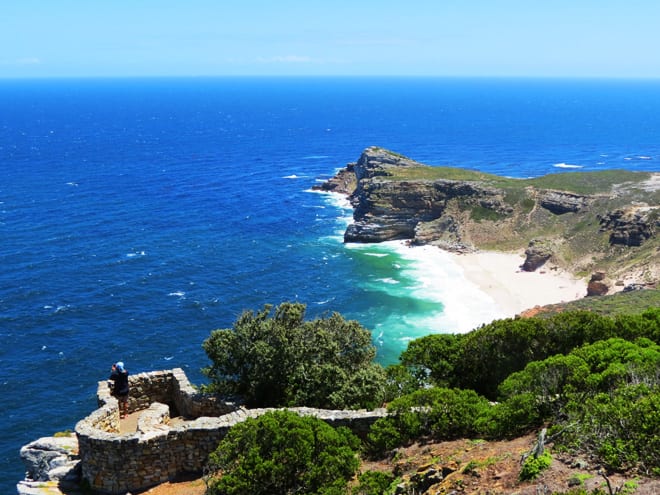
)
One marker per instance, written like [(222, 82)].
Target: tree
[(281, 453), (283, 360)]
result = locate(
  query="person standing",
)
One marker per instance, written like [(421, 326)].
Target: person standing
[(119, 376)]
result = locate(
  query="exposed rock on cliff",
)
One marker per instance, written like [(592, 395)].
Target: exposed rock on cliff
[(631, 226), (560, 202), (581, 216), (343, 182)]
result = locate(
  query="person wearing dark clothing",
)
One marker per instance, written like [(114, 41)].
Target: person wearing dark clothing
[(119, 377)]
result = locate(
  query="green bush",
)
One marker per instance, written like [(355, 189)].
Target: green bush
[(515, 416), (533, 466), (436, 413), (281, 453), (374, 483), (621, 427), (482, 359), (283, 360)]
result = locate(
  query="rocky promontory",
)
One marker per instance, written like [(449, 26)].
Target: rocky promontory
[(584, 222)]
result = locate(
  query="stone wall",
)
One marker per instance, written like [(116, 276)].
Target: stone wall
[(161, 448)]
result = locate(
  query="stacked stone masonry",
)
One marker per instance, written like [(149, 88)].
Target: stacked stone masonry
[(160, 449)]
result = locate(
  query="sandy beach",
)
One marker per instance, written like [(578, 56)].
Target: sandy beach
[(513, 290)]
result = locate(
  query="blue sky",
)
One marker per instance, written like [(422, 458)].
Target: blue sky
[(74, 38)]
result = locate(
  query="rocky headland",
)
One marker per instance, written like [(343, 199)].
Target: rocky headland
[(601, 224)]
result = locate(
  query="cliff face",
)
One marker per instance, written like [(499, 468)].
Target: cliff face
[(604, 220)]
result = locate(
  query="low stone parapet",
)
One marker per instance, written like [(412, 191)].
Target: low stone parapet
[(163, 446)]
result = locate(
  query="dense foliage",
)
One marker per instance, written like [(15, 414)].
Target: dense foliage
[(281, 453), (435, 413), (283, 360), (593, 380), (602, 398), (483, 358)]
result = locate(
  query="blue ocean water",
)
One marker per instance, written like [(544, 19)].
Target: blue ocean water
[(138, 215)]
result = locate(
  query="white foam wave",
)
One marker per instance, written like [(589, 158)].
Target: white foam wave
[(136, 254), (462, 305), (293, 176), (388, 280), (567, 165), (377, 255), (644, 157), (315, 157), (178, 293)]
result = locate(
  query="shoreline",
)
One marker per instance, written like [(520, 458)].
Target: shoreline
[(514, 291)]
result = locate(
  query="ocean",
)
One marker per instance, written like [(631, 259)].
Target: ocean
[(138, 215)]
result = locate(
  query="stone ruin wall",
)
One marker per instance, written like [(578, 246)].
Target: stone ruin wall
[(160, 449)]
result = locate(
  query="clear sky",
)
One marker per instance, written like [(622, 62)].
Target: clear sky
[(573, 38)]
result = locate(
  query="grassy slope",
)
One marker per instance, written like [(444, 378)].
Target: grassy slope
[(610, 305)]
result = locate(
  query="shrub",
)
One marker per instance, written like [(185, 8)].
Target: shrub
[(515, 416), (533, 466), (374, 483), (621, 427), (437, 413), (281, 453), (283, 360)]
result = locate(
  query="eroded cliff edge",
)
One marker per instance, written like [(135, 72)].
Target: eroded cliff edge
[(585, 222)]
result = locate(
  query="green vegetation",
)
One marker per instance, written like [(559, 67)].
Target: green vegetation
[(588, 182), (483, 358), (533, 466), (592, 379), (437, 173), (375, 483), (478, 213), (281, 453), (599, 182), (612, 304), (283, 360), (434, 413)]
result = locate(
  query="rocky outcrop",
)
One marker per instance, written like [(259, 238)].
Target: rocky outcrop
[(396, 198), (631, 226), (344, 182), (52, 463), (560, 202), (390, 209), (536, 254), (597, 285)]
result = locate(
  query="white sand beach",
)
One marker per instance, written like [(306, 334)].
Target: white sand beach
[(513, 290)]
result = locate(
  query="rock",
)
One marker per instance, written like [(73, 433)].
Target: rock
[(536, 254), (560, 202), (38, 488), (344, 182), (386, 209), (424, 480), (631, 226), (597, 285), (46, 454)]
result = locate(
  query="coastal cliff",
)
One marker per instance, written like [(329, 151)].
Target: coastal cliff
[(581, 221)]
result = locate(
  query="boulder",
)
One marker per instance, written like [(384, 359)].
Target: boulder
[(51, 459), (597, 285), (536, 254)]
